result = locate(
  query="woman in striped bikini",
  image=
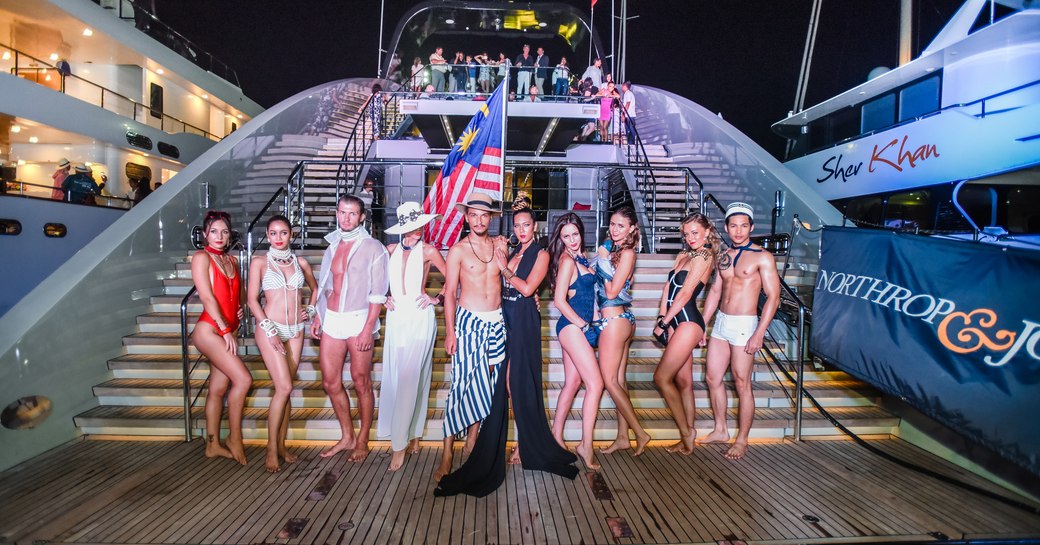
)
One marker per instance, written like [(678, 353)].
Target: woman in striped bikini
[(279, 276)]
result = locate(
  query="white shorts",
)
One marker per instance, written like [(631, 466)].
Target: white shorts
[(344, 325), (736, 330)]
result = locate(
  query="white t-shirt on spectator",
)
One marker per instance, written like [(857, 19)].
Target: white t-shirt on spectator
[(629, 101)]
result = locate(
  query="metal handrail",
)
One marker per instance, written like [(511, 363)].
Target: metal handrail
[(711, 199), (185, 369), (21, 193), (136, 105), (799, 378)]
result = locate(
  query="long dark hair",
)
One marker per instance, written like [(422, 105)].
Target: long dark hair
[(556, 245), (631, 241)]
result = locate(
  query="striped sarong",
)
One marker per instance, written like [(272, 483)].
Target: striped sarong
[(481, 344)]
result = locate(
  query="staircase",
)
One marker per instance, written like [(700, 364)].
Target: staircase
[(144, 395)]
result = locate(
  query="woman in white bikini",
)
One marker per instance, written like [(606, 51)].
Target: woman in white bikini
[(279, 276)]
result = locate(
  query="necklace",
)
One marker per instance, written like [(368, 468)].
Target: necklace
[(474, 250), (284, 257), (222, 262)]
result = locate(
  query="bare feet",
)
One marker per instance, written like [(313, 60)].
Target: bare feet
[(514, 457), (346, 443), (588, 455), (289, 457), (641, 442), (413, 446), (215, 450), (396, 460), (684, 446), (442, 469), (716, 436), (618, 444), (737, 451), (272, 463), (360, 452), (238, 452)]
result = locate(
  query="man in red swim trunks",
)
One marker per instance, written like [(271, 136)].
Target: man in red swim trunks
[(351, 292)]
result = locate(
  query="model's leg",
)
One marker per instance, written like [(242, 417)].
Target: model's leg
[(229, 369), (361, 375), (741, 365), (331, 356), (672, 361), (584, 363), (612, 344), (717, 363), (294, 352), (684, 381), (277, 365), (218, 384), (571, 383)]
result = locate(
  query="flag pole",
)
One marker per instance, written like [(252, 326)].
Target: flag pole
[(505, 130)]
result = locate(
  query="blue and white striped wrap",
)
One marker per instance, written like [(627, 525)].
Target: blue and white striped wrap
[(481, 345)]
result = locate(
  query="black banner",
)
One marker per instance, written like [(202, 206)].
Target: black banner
[(950, 327)]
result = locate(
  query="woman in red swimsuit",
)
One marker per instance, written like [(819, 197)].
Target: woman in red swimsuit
[(215, 335)]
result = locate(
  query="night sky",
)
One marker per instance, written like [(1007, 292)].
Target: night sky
[(738, 58)]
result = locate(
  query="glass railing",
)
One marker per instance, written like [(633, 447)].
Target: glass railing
[(18, 63), (148, 23), (37, 191)]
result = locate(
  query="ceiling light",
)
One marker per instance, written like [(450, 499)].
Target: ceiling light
[(16, 129), (239, 116), (159, 71), (205, 97), (87, 32), (67, 148), (21, 162), (33, 140), (87, 164), (6, 55), (450, 21), (48, 78), (543, 24), (54, 56)]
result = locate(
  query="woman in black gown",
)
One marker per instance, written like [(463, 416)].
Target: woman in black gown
[(484, 471)]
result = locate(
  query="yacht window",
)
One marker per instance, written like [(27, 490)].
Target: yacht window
[(845, 124), (10, 227), (1022, 213), (919, 99), (55, 230), (865, 210), (909, 211), (879, 113)]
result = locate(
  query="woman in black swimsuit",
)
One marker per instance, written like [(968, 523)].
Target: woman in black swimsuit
[(683, 324)]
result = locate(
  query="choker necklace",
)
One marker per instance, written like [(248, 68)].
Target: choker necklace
[(354, 234), (215, 251), (474, 250), (281, 256)]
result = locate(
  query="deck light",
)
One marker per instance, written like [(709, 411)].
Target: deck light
[(205, 97), (54, 56), (88, 32), (160, 71), (21, 162), (6, 55), (16, 129), (33, 139)]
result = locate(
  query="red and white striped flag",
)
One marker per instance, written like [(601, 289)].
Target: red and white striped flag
[(474, 164)]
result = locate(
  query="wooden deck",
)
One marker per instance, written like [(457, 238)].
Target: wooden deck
[(91, 491)]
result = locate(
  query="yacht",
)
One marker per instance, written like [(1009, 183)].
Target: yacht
[(948, 143), (108, 87), (101, 389)]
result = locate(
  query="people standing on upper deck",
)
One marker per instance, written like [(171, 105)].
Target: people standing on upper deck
[(615, 266), (738, 333), (524, 66), (375, 104), (411, 329), (503, 67), (416, 83), (80, 187), (351, 293), (573, 282), (438, 70), (62, 172), (484, 77), (215, 275), (561, 76), (281, 320), (458, 73), (680, 326), (595, 73), (608, 96), (541, 73), (628, 111)]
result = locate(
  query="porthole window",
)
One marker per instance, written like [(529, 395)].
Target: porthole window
[(10, 227), (27, 412), (55, 230)]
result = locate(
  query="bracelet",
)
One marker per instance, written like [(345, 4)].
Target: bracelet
[(585, 328), (311, 312), (224, 331), (661, 324), (511, 273), (439, 298), (269, 328)]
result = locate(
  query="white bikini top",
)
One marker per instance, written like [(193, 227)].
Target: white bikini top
[(275, 279), (413, 273)]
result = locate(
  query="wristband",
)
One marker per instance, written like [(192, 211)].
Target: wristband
[(224, 331), (660, 324), (585, 328), (269, 328), (311, 311)]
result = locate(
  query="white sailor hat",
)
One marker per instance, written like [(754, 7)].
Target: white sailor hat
[(740, 208)]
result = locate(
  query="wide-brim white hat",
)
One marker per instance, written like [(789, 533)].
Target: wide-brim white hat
[(409, 218)]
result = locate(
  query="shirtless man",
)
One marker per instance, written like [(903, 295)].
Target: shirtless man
[(744, 271), (351, 291), (474, 329)]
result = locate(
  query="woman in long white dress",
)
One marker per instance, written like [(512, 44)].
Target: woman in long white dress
[(411, 328)]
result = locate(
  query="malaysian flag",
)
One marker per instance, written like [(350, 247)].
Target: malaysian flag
[(474, 164)]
